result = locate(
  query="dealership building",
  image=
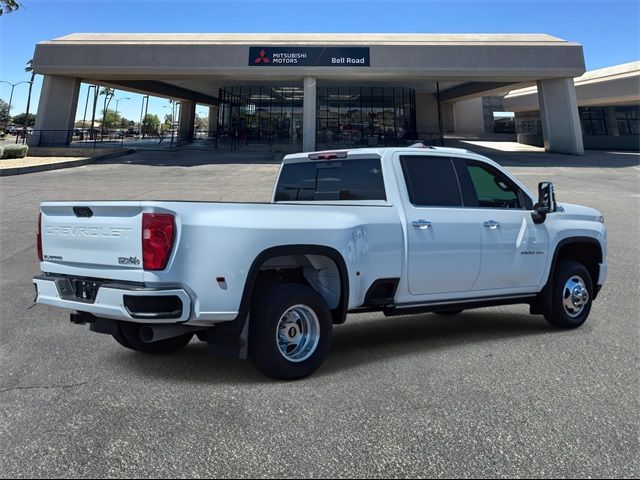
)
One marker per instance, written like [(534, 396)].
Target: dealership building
[(608, 107), (317, 91)]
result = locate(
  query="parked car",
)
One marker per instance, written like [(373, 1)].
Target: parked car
[(21, 132), (397, 230)]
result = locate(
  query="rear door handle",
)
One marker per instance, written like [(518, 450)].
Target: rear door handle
[(422, 224), (492, 224)]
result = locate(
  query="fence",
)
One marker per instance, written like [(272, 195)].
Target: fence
[(97, 139)]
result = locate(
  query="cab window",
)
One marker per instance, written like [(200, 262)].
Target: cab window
[(492, 189), (431, 181), (334, 180)]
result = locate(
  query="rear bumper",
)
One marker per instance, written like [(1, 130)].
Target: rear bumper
[(119, 301)]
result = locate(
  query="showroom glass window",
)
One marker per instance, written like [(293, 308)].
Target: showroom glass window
[(628, 118), (592, 120)]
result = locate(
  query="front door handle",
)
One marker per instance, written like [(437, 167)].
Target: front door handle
[(492, 224), (421, 224)]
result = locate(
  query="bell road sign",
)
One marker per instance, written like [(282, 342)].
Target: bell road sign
[(309, 56)]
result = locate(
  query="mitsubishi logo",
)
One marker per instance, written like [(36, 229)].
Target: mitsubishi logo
[(262, 58)]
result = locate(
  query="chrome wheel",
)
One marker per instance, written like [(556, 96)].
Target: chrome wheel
[(298, 333), (575, 296)]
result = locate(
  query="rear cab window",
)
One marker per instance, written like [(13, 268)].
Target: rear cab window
[(345, 179), (431, 181)]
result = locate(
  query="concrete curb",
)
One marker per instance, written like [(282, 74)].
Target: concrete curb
[(60, 165)]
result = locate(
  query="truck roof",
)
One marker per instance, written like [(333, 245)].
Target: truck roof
[(353, 153)]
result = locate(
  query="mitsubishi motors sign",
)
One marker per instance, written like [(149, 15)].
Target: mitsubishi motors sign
[(309, 56)]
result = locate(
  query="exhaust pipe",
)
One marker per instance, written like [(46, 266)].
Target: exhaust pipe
[(156, 333)]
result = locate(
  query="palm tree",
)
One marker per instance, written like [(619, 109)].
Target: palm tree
[(108, 95), (29, 69), (8, 6)]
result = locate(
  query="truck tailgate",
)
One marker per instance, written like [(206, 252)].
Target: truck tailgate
[(101, 237)]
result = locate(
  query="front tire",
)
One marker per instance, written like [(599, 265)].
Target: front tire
[(572, 295), (129, 337), (290, 331)]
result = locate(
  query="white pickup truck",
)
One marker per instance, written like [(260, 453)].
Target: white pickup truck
[(397, 230)]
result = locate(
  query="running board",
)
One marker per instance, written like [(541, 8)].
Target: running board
[(467, 304)]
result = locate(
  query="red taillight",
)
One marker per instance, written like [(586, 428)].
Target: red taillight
[(39, 236), (158, 232)]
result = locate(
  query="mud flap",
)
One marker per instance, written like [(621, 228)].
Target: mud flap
[(226, 341)]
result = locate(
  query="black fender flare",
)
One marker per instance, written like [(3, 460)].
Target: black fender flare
[(546, 290), (339, 314)]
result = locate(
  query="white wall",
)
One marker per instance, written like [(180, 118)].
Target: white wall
[(426, 113), (469, 117)]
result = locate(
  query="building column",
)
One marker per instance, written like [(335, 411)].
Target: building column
[(56, 111), (213, 121), (561, 129), (309, 115), (187, 120)]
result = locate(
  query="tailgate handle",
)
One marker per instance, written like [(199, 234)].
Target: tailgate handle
[(83, 212)]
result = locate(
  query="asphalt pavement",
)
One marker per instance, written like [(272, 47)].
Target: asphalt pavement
[(488, 393)]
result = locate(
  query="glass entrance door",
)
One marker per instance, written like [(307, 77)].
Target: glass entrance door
[(260, 116), (364, 116)]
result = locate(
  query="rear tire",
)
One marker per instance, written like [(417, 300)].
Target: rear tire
[(572, 295), (290, 331), (129, 337)]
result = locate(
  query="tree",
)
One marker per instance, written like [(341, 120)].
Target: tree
[(108, 95), (168, 122), (150, 124), (202, 123), (21, 119), (4, 112), (29, 69), (8, 6), (110, 119)]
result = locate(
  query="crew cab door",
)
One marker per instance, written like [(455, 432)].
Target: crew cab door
[(443, 238), (514, 248)]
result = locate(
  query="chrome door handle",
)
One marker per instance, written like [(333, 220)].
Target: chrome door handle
[(421, 224), (492, 224)]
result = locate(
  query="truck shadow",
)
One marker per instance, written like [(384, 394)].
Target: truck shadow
[(360, 341), (372, 341)]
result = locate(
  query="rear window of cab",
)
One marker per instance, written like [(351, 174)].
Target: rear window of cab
[(359, 179)]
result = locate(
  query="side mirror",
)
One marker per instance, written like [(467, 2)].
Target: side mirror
[(546, 202)]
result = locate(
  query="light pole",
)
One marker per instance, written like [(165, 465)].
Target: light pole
[(13, 85), (116, 118), (124, 98), (143, 114), (201, 115)]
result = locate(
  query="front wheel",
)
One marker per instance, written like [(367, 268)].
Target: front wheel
[(290, 331), (572, 295)]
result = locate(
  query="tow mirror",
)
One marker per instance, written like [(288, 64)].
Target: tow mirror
[(546, 202)]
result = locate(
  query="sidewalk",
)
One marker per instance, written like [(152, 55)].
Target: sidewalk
[(19, 166)]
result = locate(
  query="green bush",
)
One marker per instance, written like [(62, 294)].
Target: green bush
[(1, 150), (14, 151)]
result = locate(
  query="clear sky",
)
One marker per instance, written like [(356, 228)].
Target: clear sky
[(608, 29)]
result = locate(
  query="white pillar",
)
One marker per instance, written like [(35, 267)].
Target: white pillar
[(309, 115), (559, 116), (187, 120), (56, 111)]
